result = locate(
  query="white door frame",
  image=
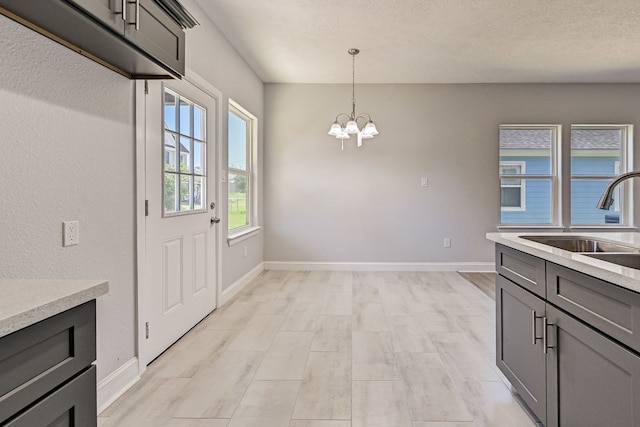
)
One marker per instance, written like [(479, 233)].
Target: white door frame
[(140, 139)]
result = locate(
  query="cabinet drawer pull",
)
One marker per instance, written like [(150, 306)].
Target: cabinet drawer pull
[(544, 335), (534, 335)]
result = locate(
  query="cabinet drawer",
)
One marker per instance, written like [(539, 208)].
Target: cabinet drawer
[(605, 306), (37, 359), (523, 269), (74, 404)]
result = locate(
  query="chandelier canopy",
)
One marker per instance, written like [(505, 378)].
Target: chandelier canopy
[(346, 125)]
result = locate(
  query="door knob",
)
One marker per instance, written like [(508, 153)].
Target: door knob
[(215, 220)]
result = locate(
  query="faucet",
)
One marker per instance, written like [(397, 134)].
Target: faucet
[(606, 200)]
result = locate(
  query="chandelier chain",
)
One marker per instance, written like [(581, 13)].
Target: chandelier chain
[(353, 87)]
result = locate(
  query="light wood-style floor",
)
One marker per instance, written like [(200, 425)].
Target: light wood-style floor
[(332, 349)]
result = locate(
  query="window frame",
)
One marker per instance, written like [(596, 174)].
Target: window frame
[(625, 164), (178, 173), (238, 234), (555, 176)]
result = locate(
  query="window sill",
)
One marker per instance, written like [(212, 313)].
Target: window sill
[(571, 229), (621, 228), (245, 234), (530, 227)]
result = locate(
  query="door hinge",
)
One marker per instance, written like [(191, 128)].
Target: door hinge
[(146, 87), (146, 208), (146, 330)]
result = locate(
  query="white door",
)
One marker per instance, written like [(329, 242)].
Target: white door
[(181, 223)]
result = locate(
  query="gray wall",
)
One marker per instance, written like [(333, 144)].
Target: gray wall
[(366, 204), (68, 154), (67, 137), (211, 56)]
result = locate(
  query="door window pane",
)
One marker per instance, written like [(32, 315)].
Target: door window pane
[(199, 156), (198, 191), (186, 193), (170, 192), (170, 151), (186, 118), (199, 120), (185, 155), (170, 111)]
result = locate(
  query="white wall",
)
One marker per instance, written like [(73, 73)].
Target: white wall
[(366, 204), (66, 137), (211, 56)]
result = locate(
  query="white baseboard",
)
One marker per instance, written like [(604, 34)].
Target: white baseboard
[(116, 383), (240, 284), (485, 267)]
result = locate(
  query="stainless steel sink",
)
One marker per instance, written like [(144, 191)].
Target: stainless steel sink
[(631, 260), (581, 244)]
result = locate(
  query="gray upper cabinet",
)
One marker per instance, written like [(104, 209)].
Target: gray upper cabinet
[(140, 41)]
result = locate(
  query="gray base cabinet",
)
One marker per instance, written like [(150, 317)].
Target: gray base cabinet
[(591, 380), (573, 357), (46, 372)]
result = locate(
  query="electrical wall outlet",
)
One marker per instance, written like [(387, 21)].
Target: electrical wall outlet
[(70, 233)]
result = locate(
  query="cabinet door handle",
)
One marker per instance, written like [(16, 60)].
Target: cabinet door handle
[(137, 15), (534, 334), (544, 335), (124, 12)]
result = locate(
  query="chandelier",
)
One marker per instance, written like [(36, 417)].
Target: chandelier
[(346, 125)]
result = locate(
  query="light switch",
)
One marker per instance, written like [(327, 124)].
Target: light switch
[(424, 181)]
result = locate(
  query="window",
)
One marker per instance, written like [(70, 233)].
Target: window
[(185, 145), (241, 149), (528, 174), (598, 154)]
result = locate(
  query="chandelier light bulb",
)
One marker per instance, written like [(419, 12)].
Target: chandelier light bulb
[(336, 129), (351, 127)]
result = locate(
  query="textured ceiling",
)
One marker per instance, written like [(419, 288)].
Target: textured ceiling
[(434, 41)]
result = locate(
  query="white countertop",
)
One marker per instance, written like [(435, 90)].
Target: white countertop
[(625, 277), (24, 302)]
